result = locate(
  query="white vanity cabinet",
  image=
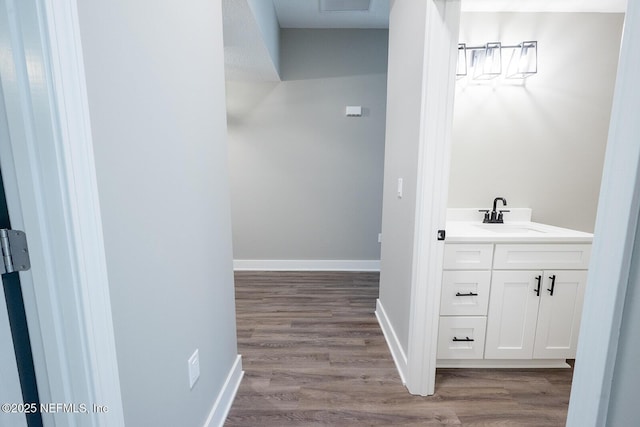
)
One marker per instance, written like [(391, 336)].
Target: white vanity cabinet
[(525, 325), (511, 304)]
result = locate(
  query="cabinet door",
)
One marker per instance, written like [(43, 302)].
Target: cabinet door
[(513, 310), (559, 315)]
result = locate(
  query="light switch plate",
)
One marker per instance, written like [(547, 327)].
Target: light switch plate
[(194, 368)]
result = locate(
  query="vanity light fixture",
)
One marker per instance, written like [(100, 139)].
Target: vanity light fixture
[(461, 68), (486, 61), (524, 61)]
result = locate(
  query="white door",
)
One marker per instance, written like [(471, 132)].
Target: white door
[(513, 310), (50, 181), (559, 314)]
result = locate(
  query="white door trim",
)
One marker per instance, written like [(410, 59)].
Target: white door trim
[(10, 389), (613, 243), (57, 195), (438, 89)]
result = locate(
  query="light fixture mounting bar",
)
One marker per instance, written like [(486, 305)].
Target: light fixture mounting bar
[(517, 46)]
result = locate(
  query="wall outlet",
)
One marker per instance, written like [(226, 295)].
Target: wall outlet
[(194, 368), (399, 188), (379, 237)]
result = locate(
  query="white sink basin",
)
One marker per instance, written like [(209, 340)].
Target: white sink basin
[(510, 229)]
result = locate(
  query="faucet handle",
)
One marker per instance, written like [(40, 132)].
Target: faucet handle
[(486, 215), (500, 216)]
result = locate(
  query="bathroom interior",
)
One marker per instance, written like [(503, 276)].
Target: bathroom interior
[(535, 141), (307, 182)]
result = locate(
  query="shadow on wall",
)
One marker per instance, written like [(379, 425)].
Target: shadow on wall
[(352, 53), (245, 100)]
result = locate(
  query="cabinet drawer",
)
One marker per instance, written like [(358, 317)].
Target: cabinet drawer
[(549, 256), (465, 293), (461, 337), (468, 256)]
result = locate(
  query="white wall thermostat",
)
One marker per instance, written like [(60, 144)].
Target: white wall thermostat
[(354, 111)]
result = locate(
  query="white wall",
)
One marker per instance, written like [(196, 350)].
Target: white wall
[(404, 99), (539, 144), (306, 180), (156, 95)]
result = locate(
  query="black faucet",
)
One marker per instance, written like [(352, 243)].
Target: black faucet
[(495, 216)]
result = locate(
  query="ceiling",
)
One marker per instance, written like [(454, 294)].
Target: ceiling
[(247, 54), (604, 6), (308, 14)]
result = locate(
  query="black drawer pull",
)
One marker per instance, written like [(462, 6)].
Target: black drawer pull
[(465, 339), (470, 294)]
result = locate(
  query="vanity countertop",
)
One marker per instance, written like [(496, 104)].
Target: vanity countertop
[(467, 226)]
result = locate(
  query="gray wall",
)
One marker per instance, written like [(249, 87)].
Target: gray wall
[(306, 181), (540, 145), (155, 76), (406, 54)]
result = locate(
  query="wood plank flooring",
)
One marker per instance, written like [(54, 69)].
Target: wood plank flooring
[(314, 355)]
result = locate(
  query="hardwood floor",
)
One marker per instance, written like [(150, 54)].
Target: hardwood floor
[(314, 355)]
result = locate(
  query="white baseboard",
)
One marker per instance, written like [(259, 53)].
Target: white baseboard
[(223, 403), (398, 354), (305, 265)]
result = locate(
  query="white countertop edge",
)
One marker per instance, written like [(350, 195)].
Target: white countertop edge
[(514, 239), (468, 232)]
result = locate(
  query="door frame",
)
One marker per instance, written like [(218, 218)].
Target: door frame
[(434, 158), (52, 194), (11, 390), (612, 255)]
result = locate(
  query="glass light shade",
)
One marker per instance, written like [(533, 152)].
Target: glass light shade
[(487, 63), (524, 61)]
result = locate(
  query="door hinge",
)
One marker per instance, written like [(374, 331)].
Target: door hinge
[(441, 234), (15, 254)]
